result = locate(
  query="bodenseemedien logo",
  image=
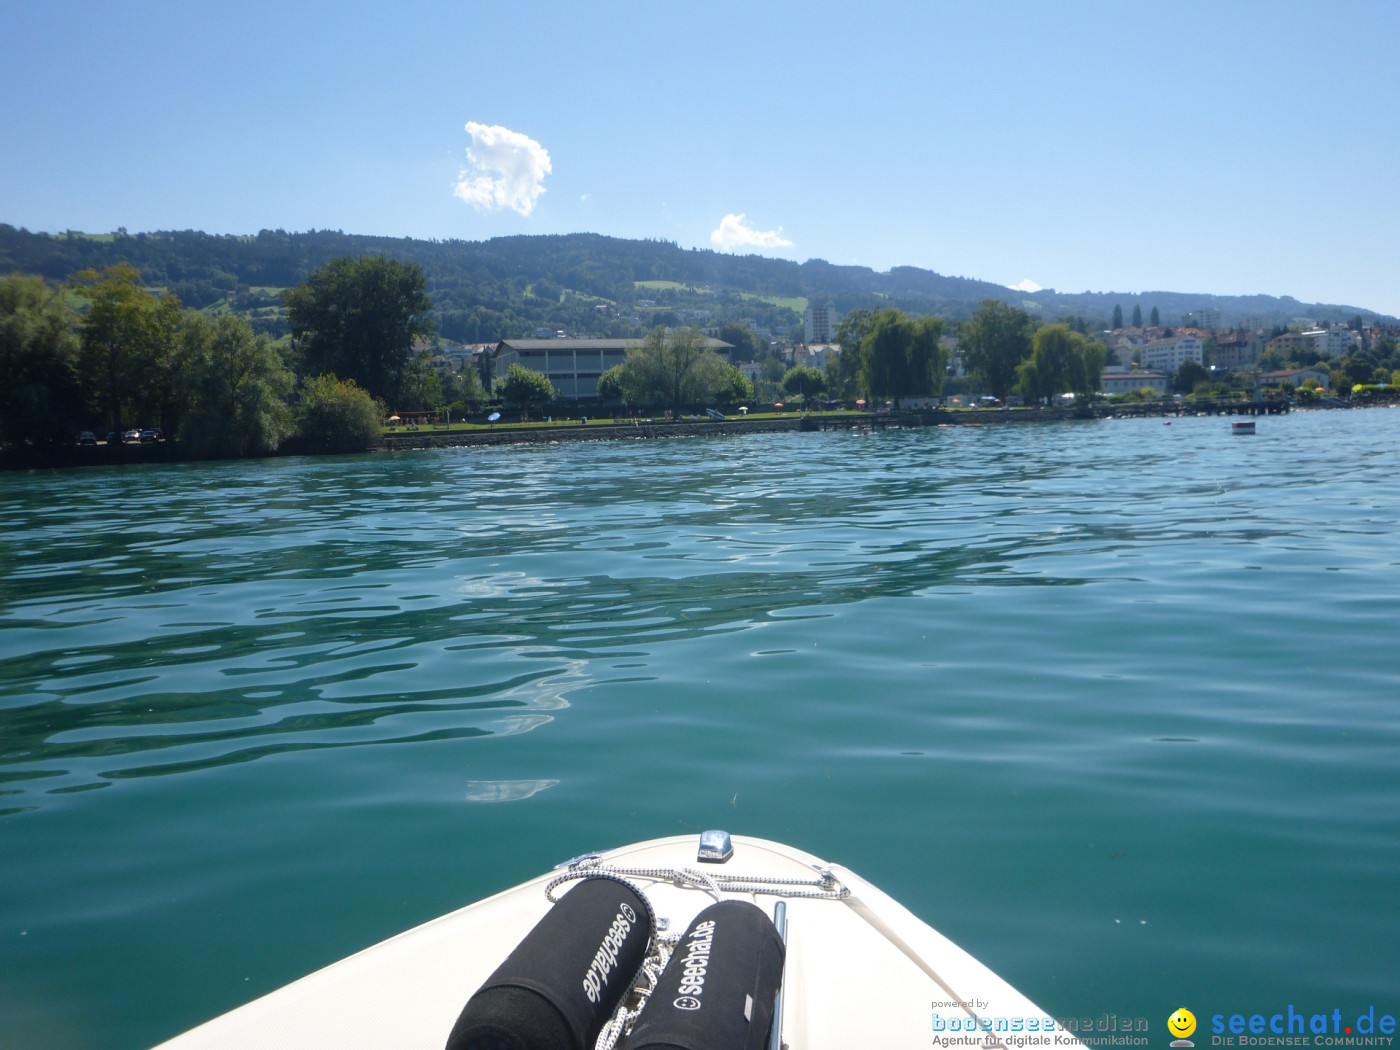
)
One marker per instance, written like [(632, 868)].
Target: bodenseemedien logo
[(1181, 1024)]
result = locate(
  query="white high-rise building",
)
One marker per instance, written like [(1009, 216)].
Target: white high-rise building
[(819, 323)]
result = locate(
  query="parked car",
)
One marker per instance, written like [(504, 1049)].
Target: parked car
[(153, 434), (87, 437), (132, 435)]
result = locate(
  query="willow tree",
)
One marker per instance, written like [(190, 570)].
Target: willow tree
[(900, 356), (238, 387), (129, 339), (675, 370), (1062, 361)]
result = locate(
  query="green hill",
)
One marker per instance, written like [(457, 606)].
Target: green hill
[(585, 284)]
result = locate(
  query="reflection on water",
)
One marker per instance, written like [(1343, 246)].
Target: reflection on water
[(505, 790)]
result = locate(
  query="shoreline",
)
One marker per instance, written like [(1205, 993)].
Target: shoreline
[(21, 459), (904, 420)]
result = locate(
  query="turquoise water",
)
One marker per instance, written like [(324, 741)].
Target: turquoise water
[(1112, 704)]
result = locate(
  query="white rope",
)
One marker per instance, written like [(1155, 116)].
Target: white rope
[(825, 886), (626, 1015)]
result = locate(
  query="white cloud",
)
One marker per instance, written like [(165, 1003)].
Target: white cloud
[(507, 170), (735, 232), (1027, 286)]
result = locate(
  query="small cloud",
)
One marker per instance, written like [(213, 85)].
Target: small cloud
[(507, 170), (1027, 286), (583, 197), (735, 232)]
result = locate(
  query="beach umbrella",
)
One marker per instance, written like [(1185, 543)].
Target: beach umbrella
[(493, 417)]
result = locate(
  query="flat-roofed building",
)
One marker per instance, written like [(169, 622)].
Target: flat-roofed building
[(1238, 349), (1170, 354), (1296, 376), (1290, 343), (1127, 382), (574, 365)]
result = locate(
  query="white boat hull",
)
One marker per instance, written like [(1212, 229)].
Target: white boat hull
[(860, 972)]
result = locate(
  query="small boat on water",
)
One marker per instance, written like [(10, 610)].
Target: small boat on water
[(728, 942)]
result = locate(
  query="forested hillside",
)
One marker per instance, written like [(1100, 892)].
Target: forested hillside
[(585, 284)]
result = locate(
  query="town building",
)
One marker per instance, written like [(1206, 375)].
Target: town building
[(1169, 354), (815, 355), (1126, 382), (1331, 341), (752, 370), (1234, 350), (1295, 376), (1288, 344), (819, 324), (1206, 317), (574, 365)]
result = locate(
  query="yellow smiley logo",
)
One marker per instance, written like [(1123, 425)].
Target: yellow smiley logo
[(1182, 1023)]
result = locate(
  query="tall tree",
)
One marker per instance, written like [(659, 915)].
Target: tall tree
[(741, 337), (39, 400), (1060, 362), (237, 389), (998, 339), (1137, 315), (675, 370), (1156, 317), (1117, 317), (1094, 355), (358, 318), (128, 344), (843, 376), (901, 356), (1188, 375)]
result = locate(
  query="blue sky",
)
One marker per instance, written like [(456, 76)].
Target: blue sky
[(1214, 147)]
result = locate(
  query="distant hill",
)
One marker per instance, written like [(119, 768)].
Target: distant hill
[(585, 284)]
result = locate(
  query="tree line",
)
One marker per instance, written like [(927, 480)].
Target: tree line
[(102, 352), (889, 355)]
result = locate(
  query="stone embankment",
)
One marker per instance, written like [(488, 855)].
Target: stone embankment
[(23, 458), (643, 430)]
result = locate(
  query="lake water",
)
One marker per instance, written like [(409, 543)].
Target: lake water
[(1112, 704)]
